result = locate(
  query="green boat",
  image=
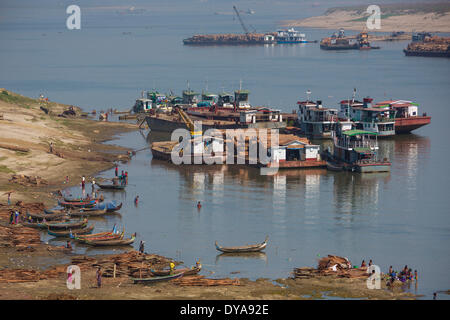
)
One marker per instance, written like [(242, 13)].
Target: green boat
[(157, 279)]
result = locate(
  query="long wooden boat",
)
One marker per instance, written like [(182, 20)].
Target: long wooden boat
[(36, 225), (157, 279), (110, 207), (68, 224), (112, 236), (85, 213), (99, 199), (114, 242), (186, 271), (247, 248), (84, 204), (100, 234), (111, 186), (74, 232), (47, 216), (53, 211)]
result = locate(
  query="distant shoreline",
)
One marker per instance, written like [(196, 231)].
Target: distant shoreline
[(393, 18)]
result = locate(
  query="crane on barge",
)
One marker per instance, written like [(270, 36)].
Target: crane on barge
[(247, 33)]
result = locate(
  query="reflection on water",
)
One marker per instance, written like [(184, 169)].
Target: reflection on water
[(244, 256), (305, 212)]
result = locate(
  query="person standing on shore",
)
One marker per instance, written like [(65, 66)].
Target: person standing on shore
[(126, 177), (141, 247), (83, 182), (11, 218), (99, 277), (117, 170)]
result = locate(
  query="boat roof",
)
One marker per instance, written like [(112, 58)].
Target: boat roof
[(356, 132), (397, 103), (242, 91), (375, 109)]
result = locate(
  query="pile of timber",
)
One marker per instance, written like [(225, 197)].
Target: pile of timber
[(131, 263), (13, 148), (331, 266), (29, 275), (32, 207), (201, 281), (332, 260), (19, 275), (19, 238), (431, 44), (27, 180), (227, 38)]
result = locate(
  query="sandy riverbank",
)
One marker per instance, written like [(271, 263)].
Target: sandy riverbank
[(76, 140), (392, 19)]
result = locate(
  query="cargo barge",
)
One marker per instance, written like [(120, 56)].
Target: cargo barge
[(231, 39), (338, 41), (425, 45)]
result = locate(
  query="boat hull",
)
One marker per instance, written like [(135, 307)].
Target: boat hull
[(406, 125)]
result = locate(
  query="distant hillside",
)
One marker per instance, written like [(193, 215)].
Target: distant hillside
[(408, 17), (399, 8)]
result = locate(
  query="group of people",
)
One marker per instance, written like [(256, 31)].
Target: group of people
[(14, 217), (403, 276), (123, 177)]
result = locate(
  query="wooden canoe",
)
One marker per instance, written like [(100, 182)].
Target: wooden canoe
[(100, 234), (47, 216), (186, 271), (157, 279), (111, 186), (75, 232), (85, 213), (114, 242), (112, 236), (36, 225), (241, 249), (68, 224), (99, 199), (85, 204), (53, 211)]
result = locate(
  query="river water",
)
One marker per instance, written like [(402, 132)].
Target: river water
[(400, 218)]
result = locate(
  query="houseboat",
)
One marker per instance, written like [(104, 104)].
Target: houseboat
[(407, 116), (355, 150), (315, 120), (379, 119)]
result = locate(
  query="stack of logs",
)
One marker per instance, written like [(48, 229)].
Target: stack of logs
[(202, 281), (130, 263), (27, 180), (331, 266), (430, 44), (19, 238)]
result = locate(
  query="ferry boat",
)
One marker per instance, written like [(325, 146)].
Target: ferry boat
[(315, 120), (355, 150), (407, 116), (379, 119), (290, 36)]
